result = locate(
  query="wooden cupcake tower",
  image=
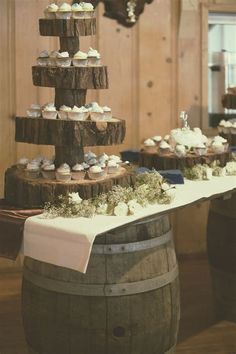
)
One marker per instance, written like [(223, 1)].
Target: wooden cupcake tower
[(229, 102), (69, 137)]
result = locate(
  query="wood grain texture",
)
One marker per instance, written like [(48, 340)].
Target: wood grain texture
[(67, 28), (163, 162), (105, 324), (229, 101), (221, 245), (69, 97), (60, 132), (95, 77), (29, 193)]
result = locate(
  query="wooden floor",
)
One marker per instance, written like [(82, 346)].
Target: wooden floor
[(199, 332)]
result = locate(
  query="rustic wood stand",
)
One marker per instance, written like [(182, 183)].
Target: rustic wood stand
[(68, 137)]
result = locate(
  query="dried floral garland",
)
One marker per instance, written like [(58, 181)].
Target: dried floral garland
[(150, 188), (205, 172)]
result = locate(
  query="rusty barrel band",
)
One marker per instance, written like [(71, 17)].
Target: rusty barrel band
[(101, 289)]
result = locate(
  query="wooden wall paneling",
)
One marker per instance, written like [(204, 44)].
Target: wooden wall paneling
[(118, 49), (7, 88), (155, 69)]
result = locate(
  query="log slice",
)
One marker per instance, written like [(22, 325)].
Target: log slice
[(34, 193), (229, 101), (67, 28), (88, 77), (67, 133), (172, 162)]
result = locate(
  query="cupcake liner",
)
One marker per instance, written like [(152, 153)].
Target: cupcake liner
[(49, 115), (78, 115), (42, 61), (80, 62), (63, 15), (78, 175), (61, 177), (63, 62), (77, 14), (96, 116), (99, 175), (48, 174), (93, 61), (32, 174)]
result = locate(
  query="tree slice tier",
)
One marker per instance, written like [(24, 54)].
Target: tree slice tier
[(172, 162), (67, 28), (229, 101), (60, 132), (88, 77), (34, 193)]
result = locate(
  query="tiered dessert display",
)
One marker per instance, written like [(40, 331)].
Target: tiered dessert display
[(183, 148), (227, 129), (71, 73)]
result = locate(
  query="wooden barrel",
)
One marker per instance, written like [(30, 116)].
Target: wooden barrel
[(126, 303), (221, 240)]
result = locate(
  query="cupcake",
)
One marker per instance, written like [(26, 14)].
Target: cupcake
[(77, 11), (43, 58), (52, 58), (157, 139), (180, 150), (96, 172), (64, 12), (78, 172), (93, 161), (77, 113), (85, 166), (233, 128), (63, 112), (103, 158), (221, 140), (88, 9), (164, 147), (49, 171), (200, 149), (115, 158), (50, 11), (221, 126), (80, 59), (96, 113), (63, 60), (49, 112), (89, 155), (113, 167), (167, 138), (34, 111), (149, 145), (94, 58), (22, 163), (227, 127), (32, 170), (107, 113), (217, 147), (63, 173)]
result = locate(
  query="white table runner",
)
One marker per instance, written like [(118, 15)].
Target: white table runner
[(67, 242)]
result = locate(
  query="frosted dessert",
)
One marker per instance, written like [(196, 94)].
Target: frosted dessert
[(43, 58), (107, 113), (49, 112), (78, 172), (80, 59), (78, 113), (63, 59), (49, 171), (94, 58), (34, 111), (32, 170), (96, 113), (150, 145), (77, 11), (63, 112), (64, 12), (63, 173), (164, 147), (50, 11), (112, 167), (52, 58), (96, 172), (22, 163)]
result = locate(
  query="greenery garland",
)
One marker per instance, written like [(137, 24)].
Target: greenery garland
[(149, 188), (205, 172)]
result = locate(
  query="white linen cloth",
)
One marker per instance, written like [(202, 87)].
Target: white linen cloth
[(67, 242)]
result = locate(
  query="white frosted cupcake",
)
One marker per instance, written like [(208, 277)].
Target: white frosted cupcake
[(43, 58), (96, 113), (49, 171), (80, 59), (233, 128), (96, 172), (217, 147), (64, 12), (113, 167), (200, 149), (63, 173), (88, 9), (221, 140), (149, 145), (115, 158), (32, 170), (103, 158), (94, 58), (78, 172), (167, 138), (107, 113), (50, 11), (227, 127), (89, 155), (22, 163), (164, 147), (63, 60), (93, 161), (34, 111), (78, 113), (64, 111), (221, 126), (52, 58), (77, 11), (180, 150), (49, 112), (157, 139)]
